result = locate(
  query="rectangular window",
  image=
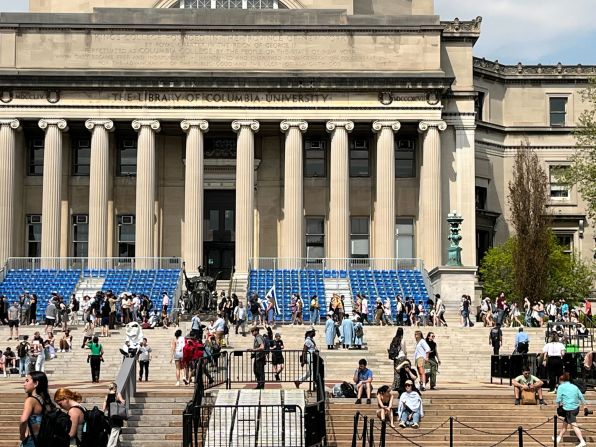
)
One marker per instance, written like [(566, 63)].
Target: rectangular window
[(315, 158), (80, 235), (481, 194), (34, 235), (359, 237), (558, 189), (81, 156), (127, 156), (35, 157), (315, 237), (479, 105), (566, 242), (558, 111), (405, 158), (359, 166), (404, 241), (126, 236)]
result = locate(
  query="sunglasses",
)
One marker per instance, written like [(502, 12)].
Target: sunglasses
[(407, 385)]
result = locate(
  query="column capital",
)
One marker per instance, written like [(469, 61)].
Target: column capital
[(106, 124), (423, 126), (239, 124), (203, 125), (333, 124), (153, 124), (13, 123), (379, 125), (44, 123), (287, 124)]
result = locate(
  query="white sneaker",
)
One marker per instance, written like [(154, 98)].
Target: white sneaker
[(178, 383), (558, 439), (582, 444)]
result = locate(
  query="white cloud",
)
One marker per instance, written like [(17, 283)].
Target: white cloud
[(527, 30)]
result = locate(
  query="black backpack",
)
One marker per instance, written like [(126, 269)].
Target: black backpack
[(23, 349), (359, 331), (347, 390), (96, 430), (54, 430)]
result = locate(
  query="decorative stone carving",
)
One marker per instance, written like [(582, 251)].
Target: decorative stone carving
[(457, 26), (239, 124), (202, 124), (92, 123), (13, 123), (378, 125), (300, 124), (539, 69), (60, 123), (154, 124), (423, 126), (332, 125), (454, 251)]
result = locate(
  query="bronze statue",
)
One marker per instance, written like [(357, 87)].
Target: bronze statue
[(199, 291)]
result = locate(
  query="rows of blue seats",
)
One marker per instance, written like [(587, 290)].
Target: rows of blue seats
[(374, 284), (146, 282), (40, 282), (305, 282)]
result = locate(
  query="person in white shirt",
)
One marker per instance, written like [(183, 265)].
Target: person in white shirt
[(136, 305), (218, 328), (421, 357), (240, 316), (195, 325), (553, 351), (165, 302), (364, 308), (410, 409)]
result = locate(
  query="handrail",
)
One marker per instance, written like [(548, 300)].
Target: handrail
[(127, 379)]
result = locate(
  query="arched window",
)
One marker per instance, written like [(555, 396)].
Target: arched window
[(230, 4)]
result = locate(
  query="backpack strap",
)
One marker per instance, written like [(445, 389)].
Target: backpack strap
[(35, 440)]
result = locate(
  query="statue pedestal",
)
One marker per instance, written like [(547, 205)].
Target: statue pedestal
[(451, 283)]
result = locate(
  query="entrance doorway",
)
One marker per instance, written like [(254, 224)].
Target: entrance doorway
[(220, 234)]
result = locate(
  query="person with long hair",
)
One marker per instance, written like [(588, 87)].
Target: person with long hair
[(553, 351), (385, 402), (397, 350), (69, 401), (95, 358), (116, 423), (37, 402), (569, 398), (177, 347)]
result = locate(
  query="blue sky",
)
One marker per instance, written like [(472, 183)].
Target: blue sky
[(527, 31)]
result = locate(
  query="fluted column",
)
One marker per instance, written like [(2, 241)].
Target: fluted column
[(193, 192), (339, 200), (245, 191), (8, 172), (99, 189), (146, 185), (52, 189), (466, 188), (292, 240), (430, 218), (385, 204)]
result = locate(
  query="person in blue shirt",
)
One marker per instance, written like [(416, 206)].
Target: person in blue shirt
[(363, 378), (570, 398), (522, 342)]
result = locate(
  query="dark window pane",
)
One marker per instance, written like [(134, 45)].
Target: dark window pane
[(35, 157), (81, 156), (127, 156), (359, 157), (558, 111), (315, 158), (405, 158)]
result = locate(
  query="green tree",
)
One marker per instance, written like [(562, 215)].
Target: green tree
[(527, 200), (567, 276), (582, 171)]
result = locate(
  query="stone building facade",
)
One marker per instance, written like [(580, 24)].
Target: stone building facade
[(227, 130)]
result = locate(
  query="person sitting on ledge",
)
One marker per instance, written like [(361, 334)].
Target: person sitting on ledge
[(527, 382), (410, 409)]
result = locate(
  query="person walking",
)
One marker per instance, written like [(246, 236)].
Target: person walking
[(176, 348), (37, 352), (397, 353), (570, 398), (37, 402), (277, 357), (553, 360), (33, 310), (69, 401), (240, 317), (144, 359), (421, 355), (115, 422), (358, 334), (314, 310), (433, 360), (260, 358), (309, 357), (14, 314), (95, 358), (23, 354), (495, 338)]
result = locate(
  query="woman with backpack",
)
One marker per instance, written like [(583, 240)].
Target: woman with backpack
[(397, 353), (38, 401), (95, 358), (115, 422), (69, 401)]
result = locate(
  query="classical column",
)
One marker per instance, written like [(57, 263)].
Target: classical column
[(466, 188), (193, 192), (292, 240), (384, 235), (146, 185), (245, 191), (430, 218), (99, 177), (8, 171), (52, 188), (339, 201)]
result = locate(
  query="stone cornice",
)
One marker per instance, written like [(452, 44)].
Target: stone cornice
[(458, 29), (497, 70)]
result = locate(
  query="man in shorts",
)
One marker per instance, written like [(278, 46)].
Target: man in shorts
[(14, 313), (421, 356), (363, 378), (51, 314), (527, 382)]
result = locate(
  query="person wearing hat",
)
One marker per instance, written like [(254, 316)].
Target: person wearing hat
[(259, 356), (308, 356), (410, 409)]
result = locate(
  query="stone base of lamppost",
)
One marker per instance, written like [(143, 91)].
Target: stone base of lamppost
[(451, 282)]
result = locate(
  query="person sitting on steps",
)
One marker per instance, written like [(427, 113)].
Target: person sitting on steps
[(363, 378), (527, 382)]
